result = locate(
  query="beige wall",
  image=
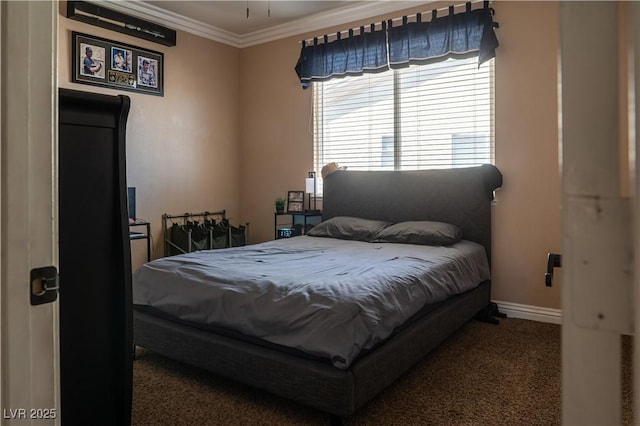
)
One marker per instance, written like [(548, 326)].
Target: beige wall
[(527, 213), (276, 143), (182, 149)]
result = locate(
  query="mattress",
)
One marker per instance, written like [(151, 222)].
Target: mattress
[(326, 297)]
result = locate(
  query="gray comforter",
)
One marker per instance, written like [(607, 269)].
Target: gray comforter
[(327, 297)]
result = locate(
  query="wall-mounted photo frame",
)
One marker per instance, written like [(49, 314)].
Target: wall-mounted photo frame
[(101, 62), (295, 201)]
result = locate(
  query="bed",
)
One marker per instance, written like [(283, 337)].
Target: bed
[(275, 320)]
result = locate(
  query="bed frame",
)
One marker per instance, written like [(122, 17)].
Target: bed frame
[(459, 196)]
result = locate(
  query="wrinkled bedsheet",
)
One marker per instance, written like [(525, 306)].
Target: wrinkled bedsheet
[(327, 297)]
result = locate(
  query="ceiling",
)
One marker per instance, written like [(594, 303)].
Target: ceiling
[(227, 22), (232, 15)]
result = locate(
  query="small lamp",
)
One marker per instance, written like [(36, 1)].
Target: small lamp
[(310, 188)]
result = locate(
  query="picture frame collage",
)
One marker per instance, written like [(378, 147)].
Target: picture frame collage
[(101, 62)]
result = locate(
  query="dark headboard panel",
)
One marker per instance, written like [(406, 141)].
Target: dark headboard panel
[(458, 196)]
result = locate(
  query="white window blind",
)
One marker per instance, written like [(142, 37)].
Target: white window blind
[(421, 117)]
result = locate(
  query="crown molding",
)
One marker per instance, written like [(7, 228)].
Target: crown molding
[(307, 24), (331, 18), (172, 20)]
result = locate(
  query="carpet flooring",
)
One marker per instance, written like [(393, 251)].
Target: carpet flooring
[(482, 375)]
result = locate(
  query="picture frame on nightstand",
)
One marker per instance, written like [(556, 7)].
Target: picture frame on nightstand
[(295, 201)]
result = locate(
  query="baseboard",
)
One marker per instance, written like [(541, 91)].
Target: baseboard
[(534, 313)]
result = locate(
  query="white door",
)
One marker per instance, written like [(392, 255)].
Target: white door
[(597, 280), (29, 374)]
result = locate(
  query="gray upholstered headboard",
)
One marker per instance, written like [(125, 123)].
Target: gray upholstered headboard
[(459, 196)]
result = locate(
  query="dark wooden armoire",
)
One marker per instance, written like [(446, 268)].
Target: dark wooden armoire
[(95, 261)]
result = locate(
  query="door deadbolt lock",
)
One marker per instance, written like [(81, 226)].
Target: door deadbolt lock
[(44, 285)]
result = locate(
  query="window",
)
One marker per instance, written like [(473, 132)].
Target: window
[(438, 115)]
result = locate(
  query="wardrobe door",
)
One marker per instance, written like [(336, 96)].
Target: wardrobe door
[(95, 260)]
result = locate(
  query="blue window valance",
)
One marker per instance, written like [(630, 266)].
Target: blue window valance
[(353, 55), (463, 34), (454, 35)]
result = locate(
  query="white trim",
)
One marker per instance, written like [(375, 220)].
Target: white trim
[(529, 312), (309, 23)]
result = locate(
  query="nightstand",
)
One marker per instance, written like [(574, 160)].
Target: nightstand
[(288, 224)]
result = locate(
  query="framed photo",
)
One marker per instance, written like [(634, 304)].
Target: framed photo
[(93, 61), (101, 62), (295, 207), (147, 71), (121, 59), (295, 196), (295, 202)]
